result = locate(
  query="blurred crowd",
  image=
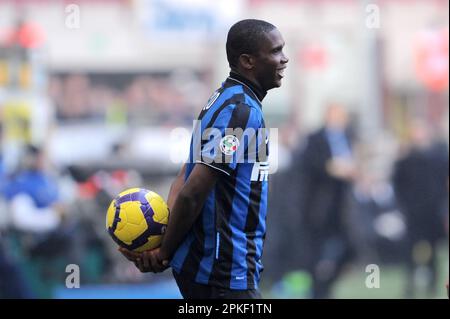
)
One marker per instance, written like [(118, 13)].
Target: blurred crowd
[(51, 217), (127, 98), (342, 196), (332, 198), (342, 205)]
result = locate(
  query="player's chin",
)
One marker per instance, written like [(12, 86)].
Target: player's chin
[(277, 82), (274, 83)]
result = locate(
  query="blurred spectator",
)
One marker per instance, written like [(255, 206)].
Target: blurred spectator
[(421, 185), (327, 170), (12, 282), (33, 195), (378, 227), (36, 210)]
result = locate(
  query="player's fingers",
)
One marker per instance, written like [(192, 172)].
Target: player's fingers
[(132, 256), (126, 255), (140, 265), (154, 261), (160, 265), (145, 259)]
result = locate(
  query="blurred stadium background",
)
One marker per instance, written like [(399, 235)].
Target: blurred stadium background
[(108, 89)]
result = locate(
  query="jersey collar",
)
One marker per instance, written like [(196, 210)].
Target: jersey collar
[(254, 88)]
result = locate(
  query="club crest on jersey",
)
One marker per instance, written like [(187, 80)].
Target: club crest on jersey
[(229, 144)]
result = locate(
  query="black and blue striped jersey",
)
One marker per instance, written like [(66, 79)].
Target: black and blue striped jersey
[(224, 247)]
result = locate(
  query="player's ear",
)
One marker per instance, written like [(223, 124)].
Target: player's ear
[(247, 61)]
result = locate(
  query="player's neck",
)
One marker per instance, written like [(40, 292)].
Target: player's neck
[(250, 82)]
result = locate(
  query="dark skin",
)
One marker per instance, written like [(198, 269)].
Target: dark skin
[(186, 199), (265, 68)]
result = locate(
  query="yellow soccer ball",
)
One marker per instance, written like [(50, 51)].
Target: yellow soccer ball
[(137, 218)]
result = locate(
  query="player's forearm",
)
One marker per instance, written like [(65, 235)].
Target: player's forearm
[(176, 188), (183, 215)]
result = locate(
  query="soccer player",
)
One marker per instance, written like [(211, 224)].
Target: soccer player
[(218, 202)]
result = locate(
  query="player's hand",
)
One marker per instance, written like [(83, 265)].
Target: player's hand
[(130, 255), (151, 261)]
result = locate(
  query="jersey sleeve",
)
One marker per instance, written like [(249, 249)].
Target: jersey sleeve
[(231, 139)]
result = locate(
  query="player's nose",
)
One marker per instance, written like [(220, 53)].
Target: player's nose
[(284, 59)]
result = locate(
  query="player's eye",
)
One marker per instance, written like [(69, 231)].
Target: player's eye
[(277, 49)]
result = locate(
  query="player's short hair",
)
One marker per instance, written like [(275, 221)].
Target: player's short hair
[(245, 37)]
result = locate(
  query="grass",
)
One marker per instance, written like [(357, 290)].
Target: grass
[(392, 281), (352, 284)]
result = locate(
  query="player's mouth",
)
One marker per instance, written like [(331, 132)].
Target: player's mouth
[(280, 72)]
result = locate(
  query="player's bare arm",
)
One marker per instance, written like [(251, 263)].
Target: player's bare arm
[(176, 187), (185, 211), (148, 260), (187, 207)]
